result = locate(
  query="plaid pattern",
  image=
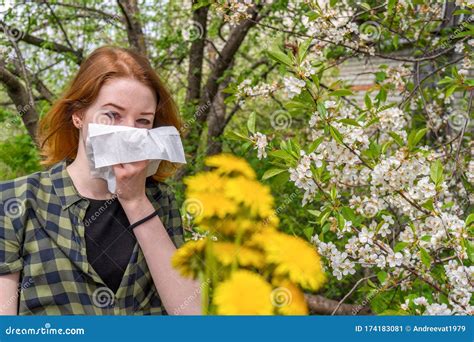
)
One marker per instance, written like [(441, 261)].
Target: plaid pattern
[(42, 235)]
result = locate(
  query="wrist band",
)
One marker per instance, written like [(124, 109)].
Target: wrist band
[(143, 220)]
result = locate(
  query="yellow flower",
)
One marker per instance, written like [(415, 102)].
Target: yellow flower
[(254, 195), (188, 259), (228, 164), (226, 252), (205, 182), (211, 205), (244, 293), (289, 299), (292, 257)]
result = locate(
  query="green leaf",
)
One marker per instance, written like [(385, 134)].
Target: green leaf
[(426, 238), (308, 232), (271, 173), (390, 6), (391, 312), (428, 204), (382, 275), (348, 213), (425, 257), (280, 56), (326, 227), (380, 76), (419, 135), (469, 219), (322, 110), (368, 101), (314, 145), (350, 122), (314, 212), (382, 95), (324, 217), (400, 246), (436, 172), (303, 49), (451, 90), (470, 250), (398, 139), (336, 134), (415, 136), (251, 122), (236, 136), (280, 154), (341, 92)]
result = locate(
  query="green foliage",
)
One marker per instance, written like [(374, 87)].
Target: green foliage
[(18, 157)]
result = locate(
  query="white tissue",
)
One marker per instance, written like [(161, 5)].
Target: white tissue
[(107, 145)]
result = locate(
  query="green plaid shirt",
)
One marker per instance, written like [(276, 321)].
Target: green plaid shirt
[(42, 235)]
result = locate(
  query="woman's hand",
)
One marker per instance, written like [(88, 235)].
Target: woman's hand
[(130, 181)]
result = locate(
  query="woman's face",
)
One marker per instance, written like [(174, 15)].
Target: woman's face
[(124, 102)]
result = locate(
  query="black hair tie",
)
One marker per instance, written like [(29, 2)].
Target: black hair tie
[(132, 226)]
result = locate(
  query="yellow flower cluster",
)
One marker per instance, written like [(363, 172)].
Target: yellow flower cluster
[(253, 268)]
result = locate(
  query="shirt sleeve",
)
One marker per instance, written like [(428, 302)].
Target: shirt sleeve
[(10, 256), (175, 222)]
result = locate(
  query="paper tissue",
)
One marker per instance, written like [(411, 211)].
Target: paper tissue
[(107, 145)]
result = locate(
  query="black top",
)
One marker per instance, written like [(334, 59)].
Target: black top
[(109, 242)]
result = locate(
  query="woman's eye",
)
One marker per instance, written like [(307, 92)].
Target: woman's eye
[(111, 114), (144, 121)]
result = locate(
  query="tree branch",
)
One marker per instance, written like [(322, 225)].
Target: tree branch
[(136, 38)]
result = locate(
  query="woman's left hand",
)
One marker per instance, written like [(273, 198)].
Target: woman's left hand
[(130, 181)]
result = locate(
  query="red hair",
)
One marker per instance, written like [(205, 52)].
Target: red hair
[(57, 134)]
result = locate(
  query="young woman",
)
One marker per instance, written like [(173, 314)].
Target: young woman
[(68, 245)]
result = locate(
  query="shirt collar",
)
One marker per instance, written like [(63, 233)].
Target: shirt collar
[(63, 184)]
